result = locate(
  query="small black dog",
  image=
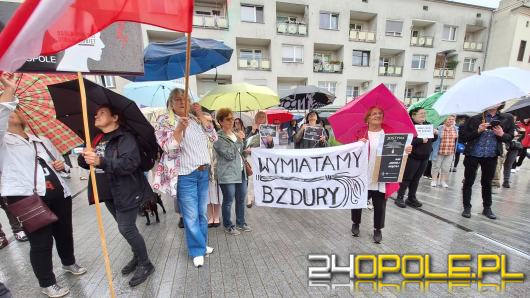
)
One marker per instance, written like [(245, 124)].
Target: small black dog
[(151, 206)]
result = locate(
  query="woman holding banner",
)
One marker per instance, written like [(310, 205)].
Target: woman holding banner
[(312, 119), (378, 192)]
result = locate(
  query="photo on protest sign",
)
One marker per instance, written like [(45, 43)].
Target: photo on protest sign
[(116, 50), (268, 130), (283, 137), (391, 159), (425, 131), (313, 133), (328, 178)]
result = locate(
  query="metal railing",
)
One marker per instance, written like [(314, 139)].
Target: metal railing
[(254, 63), (362, 36), (473, 46), (447, 73), (291, 28), (213, 22), (422, 41), (328, 67), (391, 71)]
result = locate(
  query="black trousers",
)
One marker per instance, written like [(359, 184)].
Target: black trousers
[(411, 177), (15, 224), (127, 226), (522, 156), (457, 159), (41, 241), (487, 167), (379, 201)]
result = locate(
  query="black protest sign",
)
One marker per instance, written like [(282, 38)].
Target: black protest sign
[(268, 130), (283, 137), (313, 133), (391, 159)]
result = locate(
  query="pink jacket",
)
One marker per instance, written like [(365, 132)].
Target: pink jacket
[(362, 133)]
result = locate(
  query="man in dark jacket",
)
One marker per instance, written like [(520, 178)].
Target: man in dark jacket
[(484, 136), (416, 163), (121, 185)]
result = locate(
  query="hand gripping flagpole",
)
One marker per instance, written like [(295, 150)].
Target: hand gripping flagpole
[(88, 143)]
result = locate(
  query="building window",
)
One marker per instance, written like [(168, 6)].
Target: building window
[(328, 85), (394, 28), (292, 53), (365, 1), (479, 15), (437, 88), (352, 92), (251, 13), (469, 64), (425, 7), (329, 21), (356, 27), (449, 33), (522, 48), (106, 81), (418, 61), (361, 58), (391, 87), (527, 24)]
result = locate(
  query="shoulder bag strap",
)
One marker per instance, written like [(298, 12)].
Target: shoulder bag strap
[(35, 171)]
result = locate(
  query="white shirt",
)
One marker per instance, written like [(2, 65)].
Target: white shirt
[(194, 146), (373, 138)]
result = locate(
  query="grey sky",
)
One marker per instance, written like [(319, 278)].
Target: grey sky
[(487, 3)]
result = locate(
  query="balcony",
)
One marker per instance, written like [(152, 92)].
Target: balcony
[(473, 46), (254, 63), (327, 67), (362, 36), (448, 73), (391, 71), (295, 29), (422, 41), (210, 22)]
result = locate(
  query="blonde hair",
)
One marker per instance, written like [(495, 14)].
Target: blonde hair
[(258, 115), (174, 93)]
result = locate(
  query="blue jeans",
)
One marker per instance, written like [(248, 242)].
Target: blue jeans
[(192, 195), (239, 191)]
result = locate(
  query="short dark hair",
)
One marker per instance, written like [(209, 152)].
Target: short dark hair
[(312, 112), (415, 111), (113, 112)]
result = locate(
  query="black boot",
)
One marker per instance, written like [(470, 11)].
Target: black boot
[(467, 212), (130, 267), (399, 202), (355, 230), (141, 274), (181, 223), (378, 236), (413, 202), (488, 213)]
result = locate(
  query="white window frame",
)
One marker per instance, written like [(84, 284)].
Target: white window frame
[(356, 26), (362, 58), (257, 54), (106, 81), (294, 57), (331, 86), (352, 92), (421, 60), (444, 87), (255, 16), (330, 16), (394, 33), (391, 87), (469, 64), (451, 29)]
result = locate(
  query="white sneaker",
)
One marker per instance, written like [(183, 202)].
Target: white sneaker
[(55, 291), (198, 261), (513, 171), (370, 205), (445, 185), (65, 175), (433, 183), (209, 250)]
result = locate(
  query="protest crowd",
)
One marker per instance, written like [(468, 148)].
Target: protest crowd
[(209, 165)]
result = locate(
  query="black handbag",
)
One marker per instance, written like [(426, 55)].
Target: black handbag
[(31, 211)]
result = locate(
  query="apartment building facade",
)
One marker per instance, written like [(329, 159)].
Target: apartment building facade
[(347, 47)]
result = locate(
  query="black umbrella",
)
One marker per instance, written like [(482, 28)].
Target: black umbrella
[(67, 101), (520, 109), (307, 98)]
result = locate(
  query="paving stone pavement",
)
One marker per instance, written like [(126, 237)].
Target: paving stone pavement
[(271, 261)]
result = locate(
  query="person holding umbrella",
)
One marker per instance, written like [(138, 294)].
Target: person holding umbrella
[(184, 167), (416, 163), (121, 184), (22, 174), (484, 135)]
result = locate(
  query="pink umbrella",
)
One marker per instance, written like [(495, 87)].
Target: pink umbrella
[(348, 122)]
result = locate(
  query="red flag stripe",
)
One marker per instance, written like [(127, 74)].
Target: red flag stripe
[(9, 33)]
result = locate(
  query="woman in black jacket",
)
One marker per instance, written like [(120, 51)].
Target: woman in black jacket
[(121, 185), (416, 162)]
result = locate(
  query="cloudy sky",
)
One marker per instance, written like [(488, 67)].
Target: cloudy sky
[(488, 3)]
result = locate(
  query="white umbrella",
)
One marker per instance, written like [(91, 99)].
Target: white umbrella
[(516, 76), (476, 93)]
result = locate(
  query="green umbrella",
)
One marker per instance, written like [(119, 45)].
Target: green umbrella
[(240, 97), (427, 103)]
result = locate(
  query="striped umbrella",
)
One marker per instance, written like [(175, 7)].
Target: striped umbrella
[(36, 106)]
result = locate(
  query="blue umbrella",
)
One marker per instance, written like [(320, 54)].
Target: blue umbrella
[(167, 60), (151, 94)]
